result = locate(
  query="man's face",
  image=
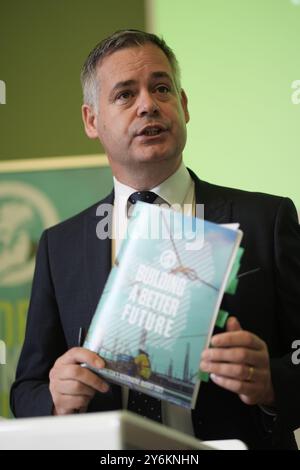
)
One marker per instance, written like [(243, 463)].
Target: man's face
[(141, 115)]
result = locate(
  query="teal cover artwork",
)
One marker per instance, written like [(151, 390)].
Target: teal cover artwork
[(161, 300)]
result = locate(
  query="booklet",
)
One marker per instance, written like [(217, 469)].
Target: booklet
[(161, 301)]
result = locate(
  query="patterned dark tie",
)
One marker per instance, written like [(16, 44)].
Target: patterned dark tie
[(138, 402), (144, 196)]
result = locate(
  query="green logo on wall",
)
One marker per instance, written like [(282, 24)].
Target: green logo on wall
[(24, 212)]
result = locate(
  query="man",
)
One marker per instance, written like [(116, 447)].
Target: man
[(134, 104)]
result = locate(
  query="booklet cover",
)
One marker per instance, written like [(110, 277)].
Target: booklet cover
[(161, 300)]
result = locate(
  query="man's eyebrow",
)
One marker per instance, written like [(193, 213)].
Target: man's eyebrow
[(161, 74), (128, 83), (123, 84)]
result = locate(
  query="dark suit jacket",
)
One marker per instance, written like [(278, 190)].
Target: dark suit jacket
[(72, 267)]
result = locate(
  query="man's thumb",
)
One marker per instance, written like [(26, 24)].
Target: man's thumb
[(233, 324)]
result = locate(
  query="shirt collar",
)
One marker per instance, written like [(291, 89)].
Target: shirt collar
[(173, 190)]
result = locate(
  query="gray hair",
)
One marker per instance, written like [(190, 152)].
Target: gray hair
[(120, 40)]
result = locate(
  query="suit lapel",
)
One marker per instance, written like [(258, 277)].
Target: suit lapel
[(97, 252), (217, 208)]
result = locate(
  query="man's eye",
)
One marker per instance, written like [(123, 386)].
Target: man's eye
[(124, 96), (163, 89)]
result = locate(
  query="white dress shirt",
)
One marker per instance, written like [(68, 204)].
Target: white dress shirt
[(176, 190)]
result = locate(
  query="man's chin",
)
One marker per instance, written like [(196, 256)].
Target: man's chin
[(154, 155)]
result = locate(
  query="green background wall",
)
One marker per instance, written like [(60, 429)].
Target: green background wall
[(43, 44), (239, 59)]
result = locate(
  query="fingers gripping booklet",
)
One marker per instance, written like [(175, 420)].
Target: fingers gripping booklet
[(161, 301)]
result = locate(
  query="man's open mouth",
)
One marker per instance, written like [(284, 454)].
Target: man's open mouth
[(152, 131)]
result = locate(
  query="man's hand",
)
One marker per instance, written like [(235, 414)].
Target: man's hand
[(72, 387), (239, 361)]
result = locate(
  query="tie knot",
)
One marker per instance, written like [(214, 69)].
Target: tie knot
[(144, 196)]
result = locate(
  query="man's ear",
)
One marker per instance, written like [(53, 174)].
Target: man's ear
[(89, 117), (184, 104)]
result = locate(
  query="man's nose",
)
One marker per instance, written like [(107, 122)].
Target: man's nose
[(147, 105)]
